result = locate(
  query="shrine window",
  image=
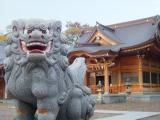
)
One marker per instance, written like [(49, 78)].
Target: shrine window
[(133, 77), (159, 78), (154, 78), (1, 73), (146, 77)]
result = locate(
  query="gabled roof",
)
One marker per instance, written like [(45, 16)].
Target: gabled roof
[(127, 34), (106, 32)]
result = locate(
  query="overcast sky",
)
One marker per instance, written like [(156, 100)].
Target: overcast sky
[(83, 11)]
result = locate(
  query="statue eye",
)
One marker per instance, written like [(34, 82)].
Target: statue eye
[(29, 31), (58, 29), (14, 28), (44, 31)]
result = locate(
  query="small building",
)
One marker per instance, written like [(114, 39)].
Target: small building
[(124, 57), (2, 83)]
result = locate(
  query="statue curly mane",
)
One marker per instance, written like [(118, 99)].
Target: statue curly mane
[(37, 69), (16, 58)]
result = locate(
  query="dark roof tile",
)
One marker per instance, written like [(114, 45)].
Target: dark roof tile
[(138, 32)]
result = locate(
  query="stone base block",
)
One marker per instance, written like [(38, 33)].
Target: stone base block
[(114, 98), (145, 98)]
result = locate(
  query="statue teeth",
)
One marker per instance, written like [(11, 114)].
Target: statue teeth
[(36, 43), (24, 47), (49, 46)]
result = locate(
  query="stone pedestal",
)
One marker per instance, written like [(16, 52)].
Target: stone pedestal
[(145, 98), (114, 98)]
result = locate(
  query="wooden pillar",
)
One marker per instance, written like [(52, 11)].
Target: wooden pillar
[(92, 83), (86, 78), (158, 79), (106, 79), (119, 78), (140, 73), (150, 74)]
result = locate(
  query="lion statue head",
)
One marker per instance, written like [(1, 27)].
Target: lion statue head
[(33, 41)]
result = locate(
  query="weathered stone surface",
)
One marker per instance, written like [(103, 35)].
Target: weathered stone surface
[(145, 98), (39, 77), (114, 98)]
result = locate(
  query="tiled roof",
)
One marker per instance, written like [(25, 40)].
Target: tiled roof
[(126, 34), (109, 33), (83, 38), (91, 49)]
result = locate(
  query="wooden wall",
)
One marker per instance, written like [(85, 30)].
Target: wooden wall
[(151, 65), (2, 86), (129, 64), (132, 66), (123, 65)]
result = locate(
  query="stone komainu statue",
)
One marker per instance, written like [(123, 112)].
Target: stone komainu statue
[(38, 76)]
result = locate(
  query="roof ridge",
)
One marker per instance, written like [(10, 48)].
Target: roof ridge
[(106, 27), (133, 22)]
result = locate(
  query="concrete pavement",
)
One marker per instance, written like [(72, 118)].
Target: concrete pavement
[(125, 115)]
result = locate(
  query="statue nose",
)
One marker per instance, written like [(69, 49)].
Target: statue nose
[(36, 34)]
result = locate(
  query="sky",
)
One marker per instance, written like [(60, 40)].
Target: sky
[(84, 11)]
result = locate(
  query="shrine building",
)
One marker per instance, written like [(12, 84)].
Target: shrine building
[(122, 56)]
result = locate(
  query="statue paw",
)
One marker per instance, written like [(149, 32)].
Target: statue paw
[(62, 98)]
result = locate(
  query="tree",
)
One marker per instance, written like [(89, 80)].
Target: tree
[(74, 30), (3, 37)]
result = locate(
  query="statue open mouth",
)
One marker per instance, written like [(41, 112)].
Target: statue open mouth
[(36, 47)]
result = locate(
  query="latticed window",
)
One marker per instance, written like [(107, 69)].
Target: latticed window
[(146, 77), (154, 78), (132, 76), (150, 77), (159, 78)]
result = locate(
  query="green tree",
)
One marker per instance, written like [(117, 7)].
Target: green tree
[(74, 30)]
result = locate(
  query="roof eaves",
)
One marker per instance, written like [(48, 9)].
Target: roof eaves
[(141, 45)]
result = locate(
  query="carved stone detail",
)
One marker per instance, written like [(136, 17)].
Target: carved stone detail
[(39, 77)]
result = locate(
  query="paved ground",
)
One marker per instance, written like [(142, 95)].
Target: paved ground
[(7, 111), (125, 115), (133, 106)]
